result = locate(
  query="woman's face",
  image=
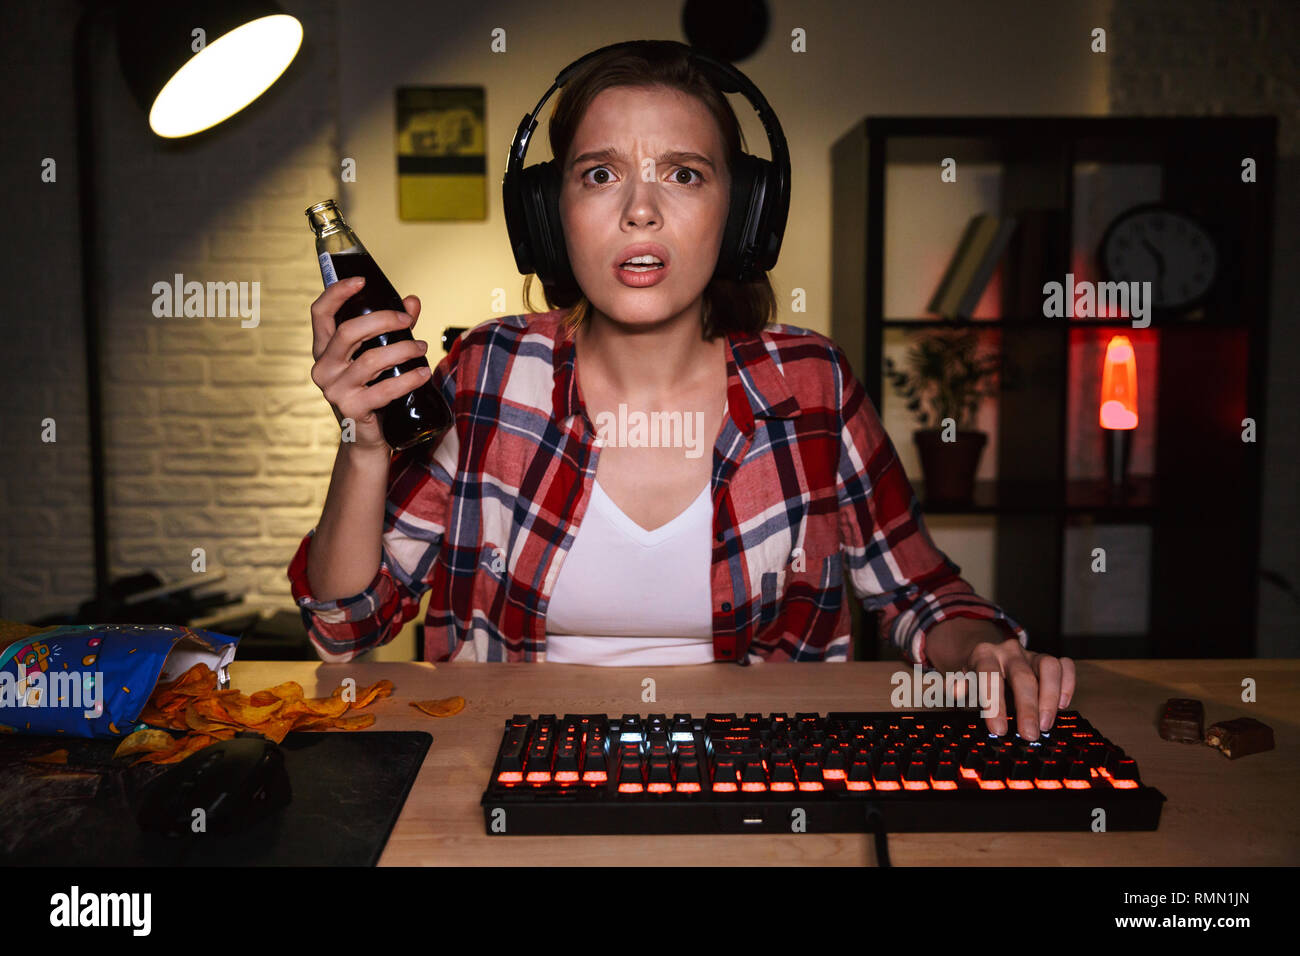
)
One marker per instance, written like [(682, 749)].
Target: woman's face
[(629, 180)]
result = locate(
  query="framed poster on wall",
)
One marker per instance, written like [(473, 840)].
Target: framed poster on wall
[(441, 153)]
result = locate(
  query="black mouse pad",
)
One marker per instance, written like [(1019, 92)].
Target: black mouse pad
[(348, 789)]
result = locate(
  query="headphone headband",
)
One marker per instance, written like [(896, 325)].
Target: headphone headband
[(759, 201)]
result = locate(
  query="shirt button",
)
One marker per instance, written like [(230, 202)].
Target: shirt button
[(726, 605), (719, 535)]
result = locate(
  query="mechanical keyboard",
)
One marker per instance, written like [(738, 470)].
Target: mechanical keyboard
[(933, 770)]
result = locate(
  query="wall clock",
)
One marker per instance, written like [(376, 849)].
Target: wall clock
[(1157, 243)]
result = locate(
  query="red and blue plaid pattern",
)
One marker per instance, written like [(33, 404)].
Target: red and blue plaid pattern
[(806, 486)]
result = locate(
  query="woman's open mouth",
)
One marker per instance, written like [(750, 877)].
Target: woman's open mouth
[(640, 274)]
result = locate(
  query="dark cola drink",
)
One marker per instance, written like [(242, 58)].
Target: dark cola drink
[(421, 414)]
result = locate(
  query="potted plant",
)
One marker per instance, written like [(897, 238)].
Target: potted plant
[(944, 385)]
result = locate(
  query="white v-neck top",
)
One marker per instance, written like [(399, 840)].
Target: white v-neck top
[(628, 596)]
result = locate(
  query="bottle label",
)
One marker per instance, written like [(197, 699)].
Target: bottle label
[(327, 269)]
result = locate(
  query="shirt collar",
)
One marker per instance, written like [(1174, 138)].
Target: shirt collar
[(755, 386)]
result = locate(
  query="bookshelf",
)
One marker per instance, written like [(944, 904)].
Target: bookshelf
[(1181, 541)]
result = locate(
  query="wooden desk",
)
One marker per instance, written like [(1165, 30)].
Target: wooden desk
[(1219, 811)]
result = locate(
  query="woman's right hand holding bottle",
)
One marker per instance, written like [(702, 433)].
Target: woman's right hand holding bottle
[(342, 379)]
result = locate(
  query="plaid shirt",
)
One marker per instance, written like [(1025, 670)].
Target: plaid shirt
[(806, 486)]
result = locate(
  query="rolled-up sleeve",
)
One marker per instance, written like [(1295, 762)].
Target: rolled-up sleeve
[(342, 629), (892, 563), (418, 500)]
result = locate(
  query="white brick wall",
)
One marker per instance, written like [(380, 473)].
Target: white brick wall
[(1207, 57), (215, 436)]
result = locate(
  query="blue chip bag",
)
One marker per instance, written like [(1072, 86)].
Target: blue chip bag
[(93, 680)]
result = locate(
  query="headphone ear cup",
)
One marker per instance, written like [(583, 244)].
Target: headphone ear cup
[(768, 231), (560, 271), (738, 227), (540, 188)]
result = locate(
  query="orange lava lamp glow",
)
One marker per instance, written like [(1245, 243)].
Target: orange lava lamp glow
[(1119, 385)]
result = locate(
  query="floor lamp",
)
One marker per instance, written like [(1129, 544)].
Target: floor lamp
[(190, 65)]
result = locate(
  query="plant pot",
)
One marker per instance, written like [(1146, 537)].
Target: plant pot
[(949, 467)]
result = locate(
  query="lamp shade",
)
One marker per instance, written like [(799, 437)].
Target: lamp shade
[(1119, 385), (247, 45)]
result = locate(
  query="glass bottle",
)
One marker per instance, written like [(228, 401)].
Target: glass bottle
[(421, 414)]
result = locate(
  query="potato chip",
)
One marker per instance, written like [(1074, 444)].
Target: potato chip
[(275, 729), (445, 707), (313, 707), (147, 740), (159, 718), (181, 748), (198, 681), (350, 722), (192, 704), (155, 756), (196, 719), (192, 744), (286, 691), (381, 688), (233, 711)]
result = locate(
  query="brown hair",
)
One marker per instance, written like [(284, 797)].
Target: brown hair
[(728, 305)]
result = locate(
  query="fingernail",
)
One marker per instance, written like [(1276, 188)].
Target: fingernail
[(1044, 720), (424, 346), (1063, 702), (357, 280)]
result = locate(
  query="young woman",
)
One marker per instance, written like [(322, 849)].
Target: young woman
[(552, 525)]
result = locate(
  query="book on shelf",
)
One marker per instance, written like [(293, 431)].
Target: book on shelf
[(1035, 256), (972, 265)]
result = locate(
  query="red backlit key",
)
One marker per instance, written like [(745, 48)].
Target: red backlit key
[(724, 774), (1114, 757), (537, 768), (1124, 776), (859, 775), (630, 779), (917, 774), (660, 779), (565, 769), (1021, 774), (992, 771), (783, 775), (593, 760), (511, 769), (944, 776), (836, 762), (1078, 777), (810, 774), (753, 778), (887, 775), (688, 774), (1051, 773)]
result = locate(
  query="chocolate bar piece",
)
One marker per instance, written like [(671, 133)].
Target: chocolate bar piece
[(1240, 737), (1183, 720)]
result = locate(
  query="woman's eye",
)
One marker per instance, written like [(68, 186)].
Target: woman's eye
[(698, 181)]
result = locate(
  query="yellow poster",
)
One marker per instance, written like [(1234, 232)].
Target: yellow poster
[(441, 153)]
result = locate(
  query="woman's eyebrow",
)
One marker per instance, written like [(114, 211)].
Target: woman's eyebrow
[(672, 156)]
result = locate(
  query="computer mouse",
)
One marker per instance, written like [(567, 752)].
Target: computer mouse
[(236, 783)]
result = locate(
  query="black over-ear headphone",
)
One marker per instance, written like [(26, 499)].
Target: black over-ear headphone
[(760, 190)]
